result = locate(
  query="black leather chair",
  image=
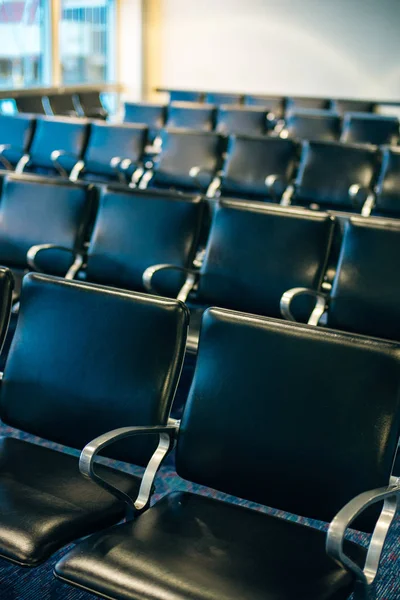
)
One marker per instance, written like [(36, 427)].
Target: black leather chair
[(344, 106), (191, 115), (362, 128), (265, 423), (294, 103), (188, 160), (83, 358), (58, 143), (334, 175), (185, 96), (114, 153), (15, 138), (219, 98), (62, 105), (273, 105), (151, 115), (6, 293), (258, 168), (310, 124), (135, 230), (30, 104), (387, 200), (241, 120), (89, 104), (36, 211)]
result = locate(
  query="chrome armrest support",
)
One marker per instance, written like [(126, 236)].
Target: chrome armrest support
[(3, 159), (145, 180), (155, 147), (287, 196), (337, 529), (55, 158), (167, 435), (368, 205), (77, 170), (318, 311), (21, 164), (185, 289), (34, 251), (214, 187), (194, 173)]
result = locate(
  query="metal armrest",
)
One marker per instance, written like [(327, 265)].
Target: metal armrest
[(124, 165), (55, 157), (368, 205), (318, 311), (287, 195), (194, 173), (185, 289), (275, 186), (360, 196), (22, 163), (337, 529), (76, 170), (167, 436), (3, 159), (145, 180), (34, 251)]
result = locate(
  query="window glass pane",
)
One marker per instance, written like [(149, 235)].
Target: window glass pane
[(87, 40), (23, 34)]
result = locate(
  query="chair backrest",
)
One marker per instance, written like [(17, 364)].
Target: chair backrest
[(344, 106), (108, 140), (365, 296), (271, 104), (185, 96), (191, 115), (30, 104), (293, 417), (86, 359), (328, 169), (309, 124), (303, 102), (16, 131), (245, 120), (388, 186), (152, 115), (90, 102), (183, 149), (62, 104), (58, 133), (250, 160), (6, 289), (256, 252), (136, 230), (364, 128), (35, 210), (219, 98)]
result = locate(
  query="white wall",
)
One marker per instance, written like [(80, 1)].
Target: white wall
[(129, 51), (347, 48)]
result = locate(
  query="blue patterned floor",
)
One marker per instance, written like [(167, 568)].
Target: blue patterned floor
[(17, 583)]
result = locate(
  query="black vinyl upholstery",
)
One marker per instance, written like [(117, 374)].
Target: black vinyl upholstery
[(62, 104), (344, 106), (191, 115), (135, 230), (241, 120), (151, 115), (303, 102), (16, 131), (6, 290), (250, 160), (30, 104), (388, 186), (365, 296), (362, 128), (219, 98), (328, 169), (91, 105), (307, 124), (185, 96), (271, 104)]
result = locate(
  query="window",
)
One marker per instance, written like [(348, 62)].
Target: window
[(24, 54), (87, 37)]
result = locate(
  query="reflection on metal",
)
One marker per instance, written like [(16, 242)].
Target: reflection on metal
[(55, 156), (287, 196), (213, 188), (144, 182), (23, 161), (317, 312), (186, 288), (76, 171), (368, 205)]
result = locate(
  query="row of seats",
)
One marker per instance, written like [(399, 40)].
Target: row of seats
[(80, 104), (244, 416), (162, 243), (253, 120)]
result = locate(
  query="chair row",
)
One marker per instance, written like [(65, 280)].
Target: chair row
[(161, 242), (80, 104), (98, 373), (229, 119)]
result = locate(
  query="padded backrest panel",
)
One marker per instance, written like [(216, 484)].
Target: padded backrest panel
[(185, 96), (344, 106), (87, 359), (90, 101), (57, 133), (16, 131), (250, 160), (108, 140), (152, 115), (388, 187), (183, 149), (256, 252), (221, 98), (62, 104), (295, 417), (366, 289), (316, 103), (241, 120), (30, 104), (135, 230), (271, 104), (328, 169), (364, 128), (191, 115), (313, 125), (6, 289), (41, 211)]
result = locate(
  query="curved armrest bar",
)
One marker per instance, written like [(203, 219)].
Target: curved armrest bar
[(368, 205), (359, 195), (145, 180), (34, 251), (287, 195), (55, 158), (76, 170), (3, 159), (194, 173), (167, 436), (187, 286), (318, 311), (22, 163), (344, 518)]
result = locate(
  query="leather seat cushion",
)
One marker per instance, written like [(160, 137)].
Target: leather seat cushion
[(45, 502), (191, 546)]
